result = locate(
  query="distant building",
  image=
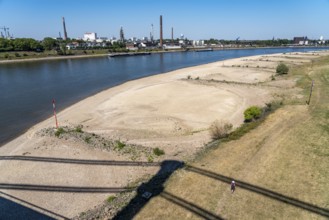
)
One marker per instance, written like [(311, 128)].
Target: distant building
[(90, 36), (131, 46), (198, 43), (301, 40)]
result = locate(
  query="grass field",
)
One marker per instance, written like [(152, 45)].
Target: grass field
[(281, 168)]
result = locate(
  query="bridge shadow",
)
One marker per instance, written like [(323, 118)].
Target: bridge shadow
[(262, 191), (14, 208), (155, 186)]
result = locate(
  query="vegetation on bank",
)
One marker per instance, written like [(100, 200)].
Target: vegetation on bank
[(77, 134)]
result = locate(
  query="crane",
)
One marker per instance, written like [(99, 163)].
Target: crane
[(6, 30), (237, 39)]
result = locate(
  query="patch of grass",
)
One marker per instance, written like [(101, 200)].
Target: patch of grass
[(158, 152), (59, 131), (120, 145), (150, 158), (79, 129), (111, 199), (87, 140)]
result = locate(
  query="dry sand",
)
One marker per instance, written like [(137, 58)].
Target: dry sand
[(168, 111)]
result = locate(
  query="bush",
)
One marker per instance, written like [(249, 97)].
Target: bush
[(220, 129), (158, 151), (87, 140), (252, 113), (282, 69), (79, 129), (120, 145), (111, 198), (59, 131), (17, 55)]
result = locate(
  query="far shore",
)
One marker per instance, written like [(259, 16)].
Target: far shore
[(52, 58), (162, 51)]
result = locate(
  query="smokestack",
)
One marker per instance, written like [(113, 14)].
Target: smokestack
[(161, 37), (172, 35), (65, 33)]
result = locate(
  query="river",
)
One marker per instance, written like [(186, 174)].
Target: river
[(28, 88)]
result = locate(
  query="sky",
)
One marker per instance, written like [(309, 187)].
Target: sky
[(196, 19)]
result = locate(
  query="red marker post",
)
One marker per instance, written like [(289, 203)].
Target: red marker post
[(54, 107)]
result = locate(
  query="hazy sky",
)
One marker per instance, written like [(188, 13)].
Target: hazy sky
[(196, 19)]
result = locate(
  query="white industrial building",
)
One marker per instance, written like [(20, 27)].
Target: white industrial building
[(90, 36), (198, 43)]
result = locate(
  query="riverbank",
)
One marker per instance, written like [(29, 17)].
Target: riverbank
[(16, 60), (52, 58), (172, 112)]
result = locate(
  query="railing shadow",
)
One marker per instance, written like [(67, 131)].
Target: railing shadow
[(64, 189), (262, 191), (80, 161), (14, 208), (190, 206)]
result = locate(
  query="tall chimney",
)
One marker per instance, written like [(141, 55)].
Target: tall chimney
[(65, 33), (161, 37)]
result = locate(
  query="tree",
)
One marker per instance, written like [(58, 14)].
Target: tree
[(282, 69), (49, 43)]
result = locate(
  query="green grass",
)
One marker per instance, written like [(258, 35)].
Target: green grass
[(158, 152), (59, 131), (111, 199), (120, 145)]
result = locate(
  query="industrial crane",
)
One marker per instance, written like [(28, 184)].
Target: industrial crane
[(6, 30)]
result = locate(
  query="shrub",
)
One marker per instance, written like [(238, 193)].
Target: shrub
[(120, 145), (87, 140), (252, 113), (189, 77), (282, 69), (6, 56), (17, 55), (59, 131), (158, 151), (220, 129), (79, 129), (110, 199)]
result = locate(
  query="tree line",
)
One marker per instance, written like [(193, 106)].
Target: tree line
[(48, 43)]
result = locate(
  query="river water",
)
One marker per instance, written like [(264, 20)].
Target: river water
[(28, 88)]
